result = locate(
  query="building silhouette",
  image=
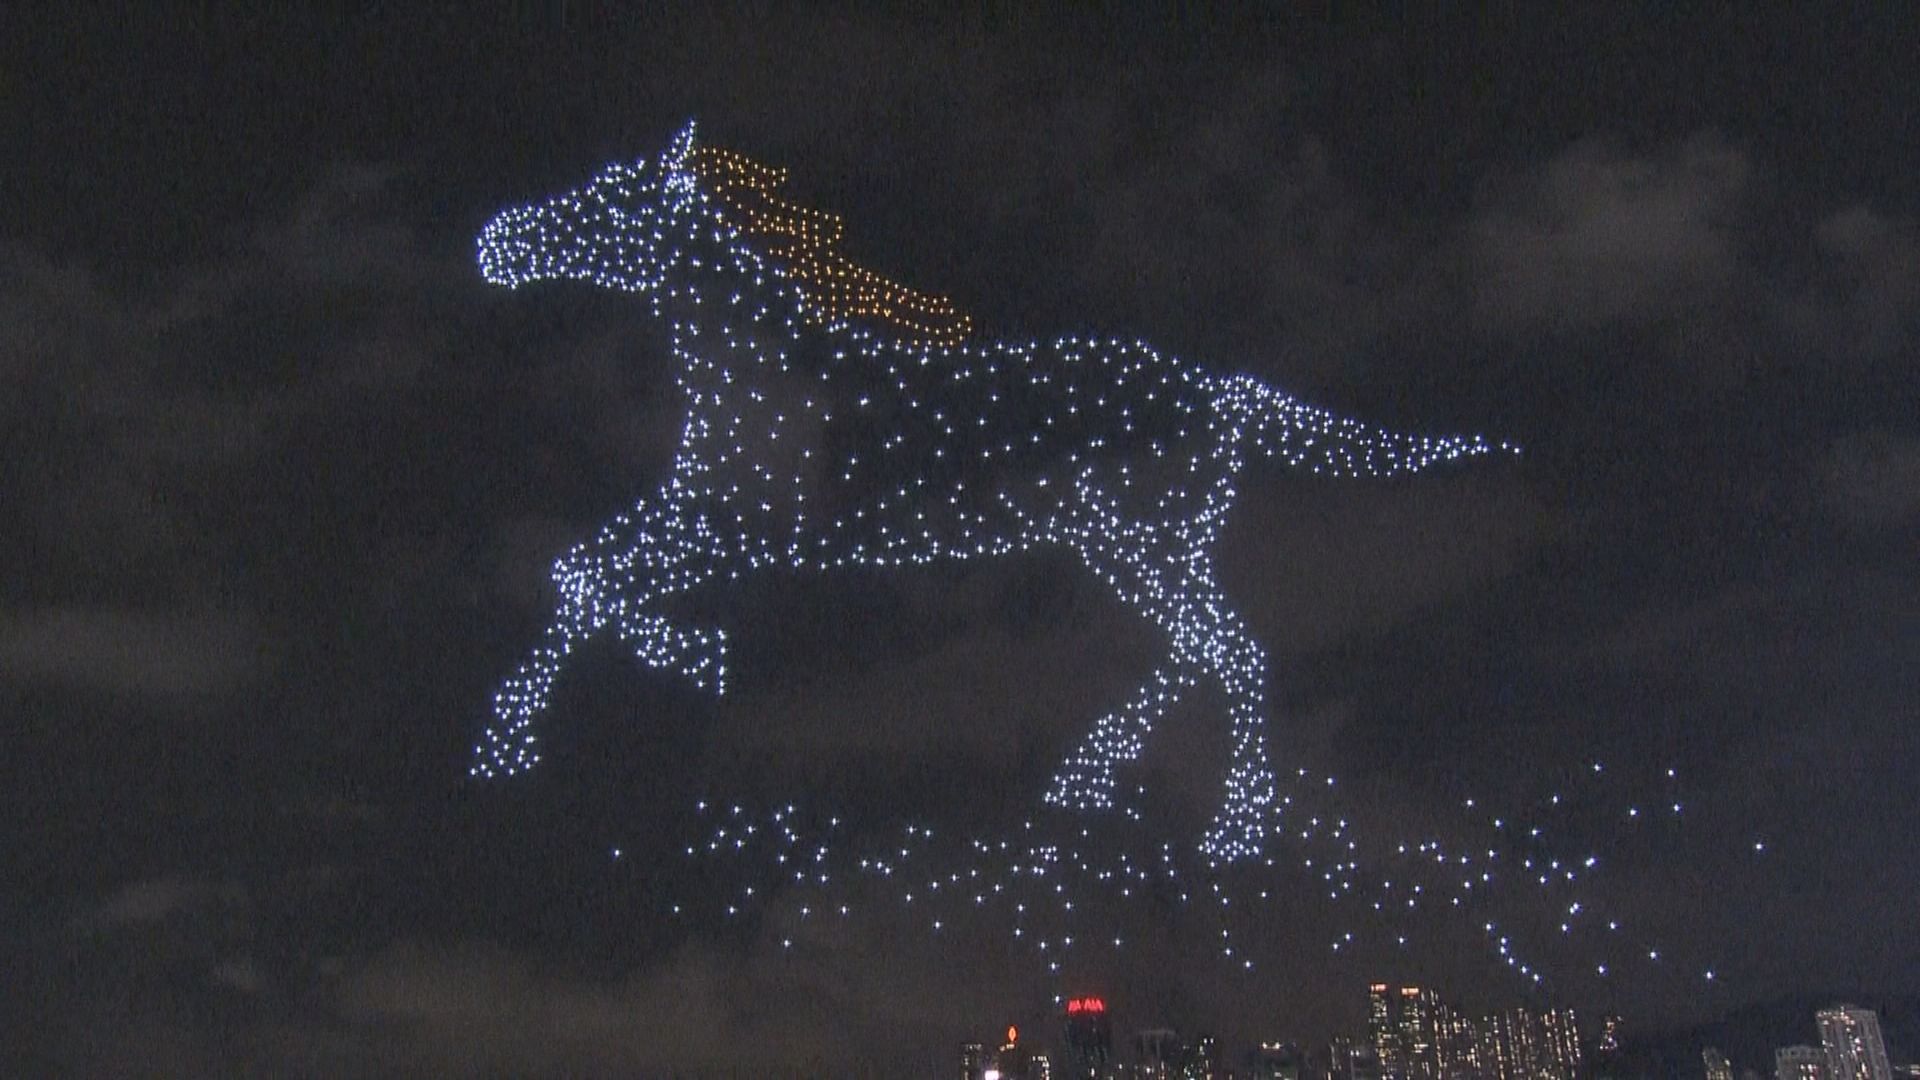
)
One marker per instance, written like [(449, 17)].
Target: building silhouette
[(973, 1060), (1800, 1063), (1850, 1038), (1158, 1054), (1088, 1039), (1016, 1060)]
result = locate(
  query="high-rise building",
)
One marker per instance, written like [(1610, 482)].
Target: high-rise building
[(1089, 1039), (1280, 1061), (1419, 1033), (1512, 1046), (1850, 1037), (1561, 1044), (1158, 1054), (1340, 1058), (1203, 1060), (1013, 1061), (1607, 1063), (1416, 1034), (973, 1060), (1351, 1060), (1383, 1028), (1459, 1045), (1516, 1044), (1799, 1063), (1716, 1064), (1609, 1041)]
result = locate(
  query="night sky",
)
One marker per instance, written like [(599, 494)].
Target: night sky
[(282, 478)]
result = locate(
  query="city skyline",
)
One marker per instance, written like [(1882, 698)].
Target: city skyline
[(1415, 1033)]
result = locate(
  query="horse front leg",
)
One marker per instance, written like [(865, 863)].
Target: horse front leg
[(509, 745), (698, 655), (667, 550)]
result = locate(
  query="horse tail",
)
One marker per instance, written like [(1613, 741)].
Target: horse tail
[(1308, 437)]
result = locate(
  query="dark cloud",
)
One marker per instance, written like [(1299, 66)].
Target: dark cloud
[(146, 654), (1864, 296), (157, 900), (1597, 238), (1872, 477), (228, 983)]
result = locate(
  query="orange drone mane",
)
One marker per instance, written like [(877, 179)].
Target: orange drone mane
[(806, 242)]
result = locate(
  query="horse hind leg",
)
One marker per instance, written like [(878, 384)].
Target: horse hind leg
[(1085, 780), (509, 745), (1223, 647)]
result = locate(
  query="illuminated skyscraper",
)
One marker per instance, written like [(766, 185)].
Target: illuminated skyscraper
[(1511, 1046), (1515, 1044), (1716, 1064), (1850, 1036), (1417, 1035), (973, 1060), (1799, 1063), (1089, 1039), (1561, 1044), (1459, 1047), (1383, 1028), (1419, 1029)]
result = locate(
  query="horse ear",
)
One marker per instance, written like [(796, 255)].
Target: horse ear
[(680, 147), (675, 167)]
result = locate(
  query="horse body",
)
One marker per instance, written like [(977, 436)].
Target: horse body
[(810, 442)]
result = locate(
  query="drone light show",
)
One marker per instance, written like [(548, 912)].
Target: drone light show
[(1512, 888), (835, 419)]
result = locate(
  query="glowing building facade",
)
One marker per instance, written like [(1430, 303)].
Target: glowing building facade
[(1517, 1044), (1561, 1043), (1850, 1038), (1418, 1035), (1383, 1028)]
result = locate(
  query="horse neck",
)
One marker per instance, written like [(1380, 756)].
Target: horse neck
[(726, 305)]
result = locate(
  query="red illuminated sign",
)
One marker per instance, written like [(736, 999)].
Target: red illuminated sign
[(1076, 1006)]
